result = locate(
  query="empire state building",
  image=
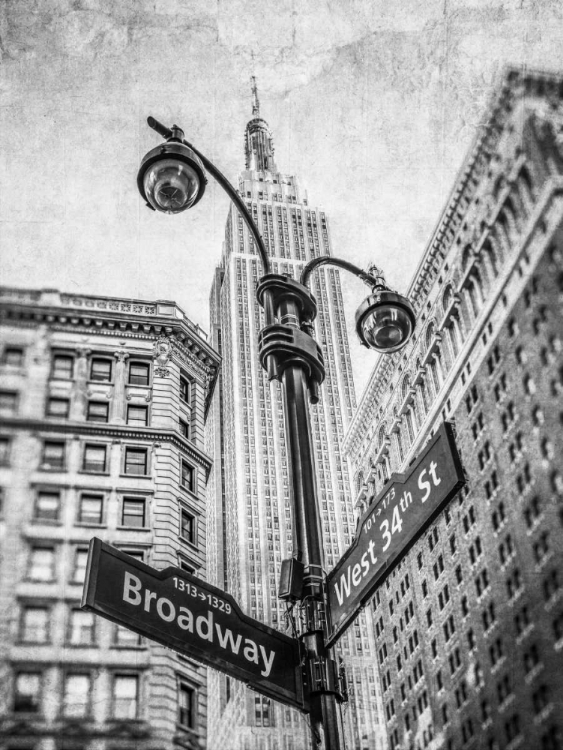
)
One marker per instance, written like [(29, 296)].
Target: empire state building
[(249, 512)]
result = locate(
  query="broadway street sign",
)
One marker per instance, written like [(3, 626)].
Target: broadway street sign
[(188, 615), (391, 525)]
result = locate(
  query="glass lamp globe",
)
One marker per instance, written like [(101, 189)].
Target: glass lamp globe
[(385, 321), (171, 178)]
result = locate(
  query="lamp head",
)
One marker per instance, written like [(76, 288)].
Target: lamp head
[(385, 321), (171, 178)]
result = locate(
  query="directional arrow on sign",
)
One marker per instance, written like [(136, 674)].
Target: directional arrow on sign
[(184, 613)]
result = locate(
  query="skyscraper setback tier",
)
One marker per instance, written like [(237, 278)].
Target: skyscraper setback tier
[(469, 626), (250, 529), (102, 404)]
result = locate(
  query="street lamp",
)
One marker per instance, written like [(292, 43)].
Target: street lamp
[(171, 179)]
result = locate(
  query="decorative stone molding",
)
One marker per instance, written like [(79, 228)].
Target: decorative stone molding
[(162, 354)]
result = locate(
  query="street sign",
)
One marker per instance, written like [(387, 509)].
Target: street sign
[(184, 613), (393, 522)]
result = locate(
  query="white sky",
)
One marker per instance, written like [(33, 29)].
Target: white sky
[(372, 104)]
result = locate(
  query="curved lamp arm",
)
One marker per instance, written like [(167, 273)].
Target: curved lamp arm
[(177, 133), (326, 260), (240, 204)]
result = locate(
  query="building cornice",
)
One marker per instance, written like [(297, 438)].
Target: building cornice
[(114, 432), (515, 85), (107, 315)]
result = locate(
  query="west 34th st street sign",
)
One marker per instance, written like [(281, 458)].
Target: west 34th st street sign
[(390, 526), (182, 612)]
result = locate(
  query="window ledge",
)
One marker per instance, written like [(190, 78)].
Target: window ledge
[(21, 642), (91, 525), (94, 473), (136, 476), (133, 528), (188, 544)]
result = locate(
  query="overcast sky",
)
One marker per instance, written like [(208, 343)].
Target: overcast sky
[(372, 103)]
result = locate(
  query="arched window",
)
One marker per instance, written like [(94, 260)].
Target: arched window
[(437, 369), (475, 291), (411, 423), (491, 256), (498, 187), (512, 213), (466, 258), (400, 448), (424, 397), (447, 298), (359, 481), (405, 388), (381, 436), (454, 336), (526, 182), (429, 335)]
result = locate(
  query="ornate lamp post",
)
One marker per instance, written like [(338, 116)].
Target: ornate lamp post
[(171, 179)]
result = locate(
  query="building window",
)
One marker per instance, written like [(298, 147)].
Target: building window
[(138, 415), (94, 458), (184, 428), (185, 390), (35, 625), (8, 403), (184, 564), (135, 461), (81, 628), (12, 356), (133, 512), (125, 696), (139, 373), (53, 455), (76, 697), (137, 554), (58, 407), (47, 506), (187, 476), (262, 711), (188, 527), (42, 564), (100, 370), (91, 508), (4, 451), (98, 411), (125, 638), (27, 692), (187, 698), (80, 562), (63, 367)]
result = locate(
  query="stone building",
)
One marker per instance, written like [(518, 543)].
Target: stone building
[(250, 526), (102, 408), (469, 626)]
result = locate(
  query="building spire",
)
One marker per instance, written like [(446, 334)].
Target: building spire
[(258, 141), (255, 100)]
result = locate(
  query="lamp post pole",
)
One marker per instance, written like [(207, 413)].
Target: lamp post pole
[(171, 179)]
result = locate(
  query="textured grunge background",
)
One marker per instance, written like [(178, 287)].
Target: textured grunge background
[(372, 104)]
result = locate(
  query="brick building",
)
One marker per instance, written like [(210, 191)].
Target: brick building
[(102, 406), (469, 626)]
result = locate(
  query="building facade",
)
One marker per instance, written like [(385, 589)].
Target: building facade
[(469, 626), (250, 528), (102, 408)]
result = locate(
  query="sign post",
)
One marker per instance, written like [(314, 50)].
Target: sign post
[(184, 613), (390, 526)]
